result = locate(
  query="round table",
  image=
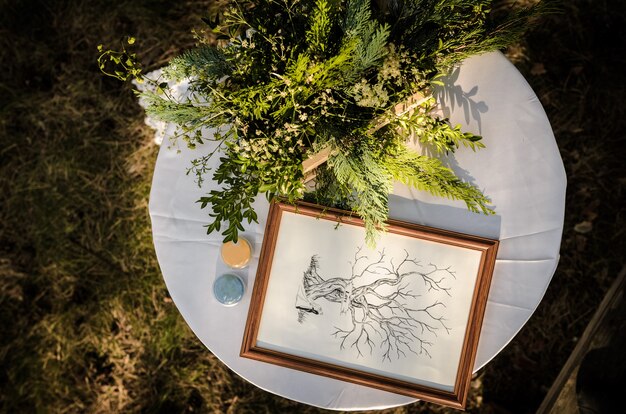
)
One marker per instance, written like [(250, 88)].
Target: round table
[(520, 170)]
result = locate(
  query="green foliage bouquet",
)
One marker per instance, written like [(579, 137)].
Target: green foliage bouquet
[(290, 78)]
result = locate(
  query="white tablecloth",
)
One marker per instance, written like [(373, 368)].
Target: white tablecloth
[(520, 170)]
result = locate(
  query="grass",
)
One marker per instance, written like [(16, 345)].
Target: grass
[(87, 324)]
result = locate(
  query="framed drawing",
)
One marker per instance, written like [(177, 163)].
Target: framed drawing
[(403, 317)]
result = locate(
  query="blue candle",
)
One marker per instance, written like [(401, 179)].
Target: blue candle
[(228, 289)]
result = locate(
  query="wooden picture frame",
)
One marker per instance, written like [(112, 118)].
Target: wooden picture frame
[(406, 319)]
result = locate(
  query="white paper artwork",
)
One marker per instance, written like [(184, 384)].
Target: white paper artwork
[(399, 310)]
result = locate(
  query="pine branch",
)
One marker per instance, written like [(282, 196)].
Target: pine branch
[(321, 24), (429, 174), (336, 71), (357, 17), (204, 63), (185, 114), (370, 35), (372, 48), (445, 32), (370, 184), (301, 75)]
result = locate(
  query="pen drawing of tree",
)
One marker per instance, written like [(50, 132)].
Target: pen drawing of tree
[(393, 303)]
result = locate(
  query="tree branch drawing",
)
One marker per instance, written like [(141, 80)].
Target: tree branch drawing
[(385, 313)]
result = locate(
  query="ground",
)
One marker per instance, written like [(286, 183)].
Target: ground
[(86, 321)]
